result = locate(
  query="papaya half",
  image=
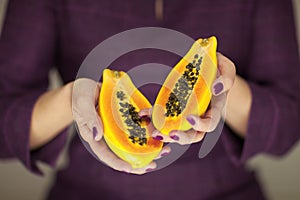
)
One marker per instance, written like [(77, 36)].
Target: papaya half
[(187, 88), (126, 134)]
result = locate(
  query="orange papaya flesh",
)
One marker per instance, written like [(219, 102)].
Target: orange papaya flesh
[(187, 88), (126, 134)]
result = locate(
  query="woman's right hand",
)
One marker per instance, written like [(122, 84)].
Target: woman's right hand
[(84, 100)]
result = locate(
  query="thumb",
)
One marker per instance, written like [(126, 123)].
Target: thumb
[(227, 75), (145, 112), (85, 91)]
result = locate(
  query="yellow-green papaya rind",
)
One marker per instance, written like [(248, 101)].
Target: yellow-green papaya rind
[(137, 160)]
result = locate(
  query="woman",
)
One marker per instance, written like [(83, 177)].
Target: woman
[(262, 107)]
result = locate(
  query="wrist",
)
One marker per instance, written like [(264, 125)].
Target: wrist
[(66, 99), (51, 114), (238, 106)]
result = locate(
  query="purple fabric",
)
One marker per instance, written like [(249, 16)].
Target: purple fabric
[(259, 36)]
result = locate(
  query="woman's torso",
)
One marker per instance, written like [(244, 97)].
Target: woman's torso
[(81, 25)]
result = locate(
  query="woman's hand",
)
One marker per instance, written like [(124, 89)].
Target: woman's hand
[(209, 120), (89, 124)]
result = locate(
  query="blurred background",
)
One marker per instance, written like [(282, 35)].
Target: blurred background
[(280, 177)]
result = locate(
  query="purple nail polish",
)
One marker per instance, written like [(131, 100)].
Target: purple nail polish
[(218, 88), (174, 137), (191, 121), (164, 154), (158, 137), (149, 170), (146, 119), (95, 132)]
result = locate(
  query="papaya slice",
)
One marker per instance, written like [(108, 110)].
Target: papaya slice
[(187, 88), (126, 134)]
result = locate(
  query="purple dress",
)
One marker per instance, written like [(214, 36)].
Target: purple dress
[(258, 37)]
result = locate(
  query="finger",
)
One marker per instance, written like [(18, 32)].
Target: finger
[(104, 154), (145, 112), (227, 75), (94, 123), (150, 126), (209, 121), (176, 136), (98, 129), (161, 137), (86, 115), (84, 133), (199, 136), (199, 124), (83, 106), (149, 168), (205, 124), (164, 152), (86, 87), (217, 109), (186, 137), (97, 92)]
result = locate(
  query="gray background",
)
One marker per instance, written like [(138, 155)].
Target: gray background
[(280, 176)]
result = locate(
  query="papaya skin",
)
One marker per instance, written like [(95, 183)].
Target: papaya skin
[(117, 88), (200, 63)]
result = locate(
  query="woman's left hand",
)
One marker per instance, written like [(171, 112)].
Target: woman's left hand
[(210, 119)]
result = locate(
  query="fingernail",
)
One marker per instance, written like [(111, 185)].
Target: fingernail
[(95, 132), (190, 120), (165, 153), (146, 119), (149, 170), (174, 137), (218, 88), (158, 137)]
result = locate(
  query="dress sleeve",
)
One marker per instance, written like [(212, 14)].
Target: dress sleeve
[(27, 52), (273, 75)]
